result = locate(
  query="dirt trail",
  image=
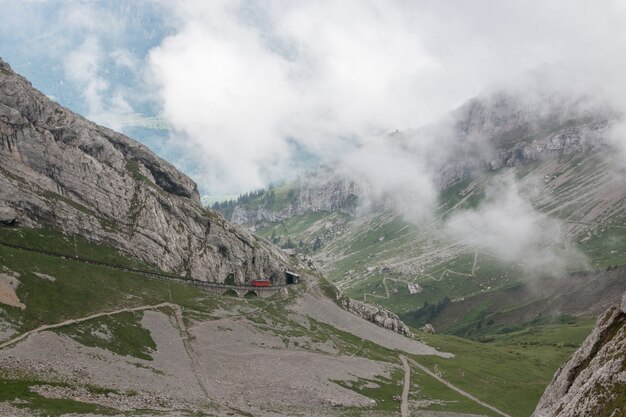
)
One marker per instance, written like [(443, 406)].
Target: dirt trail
[(404, 407), (474, 266), (457, 389), (82, 319), (196, 367)]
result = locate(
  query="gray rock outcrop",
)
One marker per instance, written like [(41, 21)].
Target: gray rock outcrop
[(377, 315), (60, 170), (428, 328), (593, 381)]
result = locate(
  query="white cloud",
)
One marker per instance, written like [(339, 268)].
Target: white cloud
[(82, 66), (238, 78), (239, 90), (507, 226)]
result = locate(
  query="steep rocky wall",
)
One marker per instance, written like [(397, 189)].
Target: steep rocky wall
[(317, 191), (58, 169), (593, 381)]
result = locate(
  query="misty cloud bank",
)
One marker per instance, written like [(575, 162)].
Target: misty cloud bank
[(239, 80), (252, 87)]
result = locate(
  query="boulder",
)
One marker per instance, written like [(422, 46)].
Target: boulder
[(593, 381), (8, 216)]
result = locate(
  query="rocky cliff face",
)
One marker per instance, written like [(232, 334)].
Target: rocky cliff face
[(320, 190), (58, 169), (593, 381), (513, 128)]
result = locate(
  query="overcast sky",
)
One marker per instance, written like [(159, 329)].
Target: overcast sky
[(250, 88)]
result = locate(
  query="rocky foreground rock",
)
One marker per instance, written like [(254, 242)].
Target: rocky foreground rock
[(60, 170), (593, 381)]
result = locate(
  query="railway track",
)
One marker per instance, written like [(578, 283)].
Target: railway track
[(204, 285)]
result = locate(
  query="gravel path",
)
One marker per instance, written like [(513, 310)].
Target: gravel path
[(404, 407), (196, 367)]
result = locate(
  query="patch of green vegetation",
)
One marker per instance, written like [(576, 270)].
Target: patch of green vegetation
[(426, 314), (135, 171), (606, 246), (274, 198), (281, 195), (389, 230), (11, 389), (122, 334), (329, 289), (452, 279), (304, 232), (465, 194), (613, 402), (133, 168), (561, 332), (385, 391)]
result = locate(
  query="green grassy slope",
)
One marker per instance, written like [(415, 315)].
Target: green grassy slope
[(512, 372)]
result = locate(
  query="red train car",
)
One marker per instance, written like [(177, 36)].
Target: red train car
[(260, 283)]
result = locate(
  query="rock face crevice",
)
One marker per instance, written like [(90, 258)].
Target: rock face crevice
[(593, 381), (60, 170)]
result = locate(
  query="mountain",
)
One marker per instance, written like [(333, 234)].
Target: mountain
[(62, 171), (553, 148), (593, 381)]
